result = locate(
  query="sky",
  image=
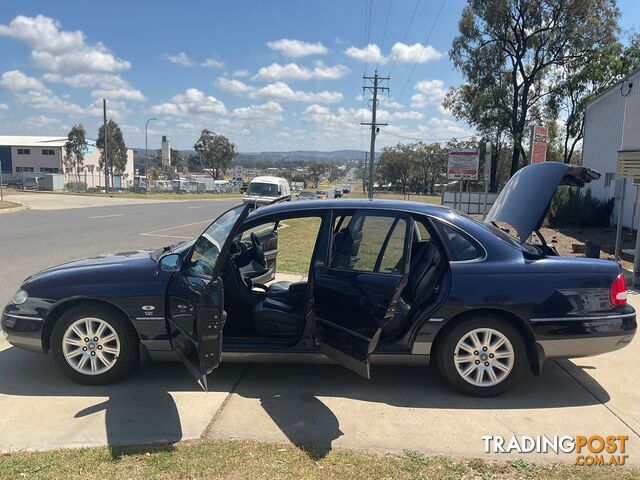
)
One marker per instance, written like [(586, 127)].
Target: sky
[(271, 76)]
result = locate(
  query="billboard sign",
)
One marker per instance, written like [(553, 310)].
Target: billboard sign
[(538, 147), (464, 164), (238, 174)]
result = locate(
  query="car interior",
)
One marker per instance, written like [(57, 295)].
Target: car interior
[(261, 307)]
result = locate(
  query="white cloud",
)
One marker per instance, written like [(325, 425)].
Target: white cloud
[(293, 71), (231, 85), (370, 53), (32, 93), (4, 107), (297, 48), (191, 102), (56, 50), (267, 113), (282, 91), (212, 62), (180, 58), (241, 73), (400, 53), (429, 92), (411, 115), (107, 85), (41, 122), (17, 82), (115, 109)]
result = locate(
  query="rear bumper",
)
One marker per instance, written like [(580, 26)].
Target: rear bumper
[(22, 331), (573, 337)]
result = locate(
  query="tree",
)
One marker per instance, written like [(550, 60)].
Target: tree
[(431, 165), (522, 42), (74, 149), (581, 80), (395, 165), (315, 171), (116, 149), (216, 152), (194, 163)]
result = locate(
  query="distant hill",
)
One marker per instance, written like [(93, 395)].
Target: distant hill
[(294, 156)]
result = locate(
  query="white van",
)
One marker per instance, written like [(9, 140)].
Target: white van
[(263, 190)]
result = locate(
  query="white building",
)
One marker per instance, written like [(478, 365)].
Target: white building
[(31, 156), (603, 134)]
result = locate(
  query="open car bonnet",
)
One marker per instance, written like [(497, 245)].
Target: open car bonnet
[(525, 199)]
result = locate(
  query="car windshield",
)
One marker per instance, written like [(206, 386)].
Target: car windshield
[(263, 189), (208, 246), (307, 194)]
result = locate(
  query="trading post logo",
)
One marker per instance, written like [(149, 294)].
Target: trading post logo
[(589, 450)]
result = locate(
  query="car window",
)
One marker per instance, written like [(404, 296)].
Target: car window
[(208, 245), (369, 243), (259, 230), (423, 233), (460, 245)]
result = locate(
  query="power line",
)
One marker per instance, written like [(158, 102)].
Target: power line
[(406, 32), (367, 33), (426, 42), (425, 139), (384, 30)]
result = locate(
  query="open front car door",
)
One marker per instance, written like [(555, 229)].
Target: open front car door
[(355, 291), (196, 297)]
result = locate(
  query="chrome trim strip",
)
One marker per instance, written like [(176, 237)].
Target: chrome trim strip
[(436, 319), (149, 318), (21, 317), (602, 317)]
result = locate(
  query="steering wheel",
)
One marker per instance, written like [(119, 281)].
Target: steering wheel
[(257, 252)]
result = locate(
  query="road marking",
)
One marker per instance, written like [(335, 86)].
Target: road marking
[(107, 216), (156, 233), (166, 236)]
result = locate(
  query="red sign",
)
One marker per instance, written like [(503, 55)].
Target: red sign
[(538, 148), (463, 164)]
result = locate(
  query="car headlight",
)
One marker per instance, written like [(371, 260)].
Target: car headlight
[(20, 297)]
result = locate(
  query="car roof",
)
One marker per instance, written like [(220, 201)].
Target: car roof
[(268, 179), (346, 203)]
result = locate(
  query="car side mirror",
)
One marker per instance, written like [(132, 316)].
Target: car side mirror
[(171, 263)]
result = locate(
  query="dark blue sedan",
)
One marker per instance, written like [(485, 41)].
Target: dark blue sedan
[(387, 282)]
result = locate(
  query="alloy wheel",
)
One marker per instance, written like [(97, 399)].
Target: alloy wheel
[(484, 357), (91, 346)]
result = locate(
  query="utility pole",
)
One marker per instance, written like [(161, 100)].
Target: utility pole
[(106, 137), (374, 125), (146, 146), (364, 173)]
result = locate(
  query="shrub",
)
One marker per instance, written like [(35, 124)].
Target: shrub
[(76, 186), (572, 208)]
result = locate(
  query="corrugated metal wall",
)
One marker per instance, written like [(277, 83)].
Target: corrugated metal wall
[(602, 138)]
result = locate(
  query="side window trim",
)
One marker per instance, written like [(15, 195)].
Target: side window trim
[(436, 222)]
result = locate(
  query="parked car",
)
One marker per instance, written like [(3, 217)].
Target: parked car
[(346, 189), (389, 282), (180, 185), (31, 183), (307, 195), (263, 190), (338, 193)]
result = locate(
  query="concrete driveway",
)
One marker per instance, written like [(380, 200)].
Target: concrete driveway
[(326, 405)]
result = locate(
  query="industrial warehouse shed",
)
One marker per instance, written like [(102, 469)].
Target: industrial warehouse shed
[(35, 156), (615, 111)]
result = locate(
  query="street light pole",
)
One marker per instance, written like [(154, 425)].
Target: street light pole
[(146, 146)]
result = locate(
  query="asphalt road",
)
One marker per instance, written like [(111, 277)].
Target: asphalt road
[(324, 405), (35, 239)]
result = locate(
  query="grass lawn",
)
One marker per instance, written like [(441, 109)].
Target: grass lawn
[(435, 199), (244, 459), (295, 244), (6, 204)]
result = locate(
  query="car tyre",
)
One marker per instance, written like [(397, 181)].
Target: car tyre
[(100, 362), (463, 356)]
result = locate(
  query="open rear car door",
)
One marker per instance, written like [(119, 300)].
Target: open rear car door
[(356, 289), (196, 297)]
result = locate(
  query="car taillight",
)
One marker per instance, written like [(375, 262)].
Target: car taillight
[(618, 292)]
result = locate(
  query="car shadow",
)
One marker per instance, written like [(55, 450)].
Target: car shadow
[(142, 410)]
